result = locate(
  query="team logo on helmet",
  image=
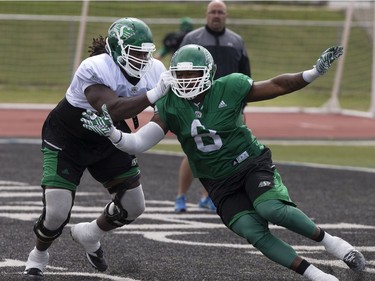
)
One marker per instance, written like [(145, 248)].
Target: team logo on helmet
[(129, 42), (123, 34)]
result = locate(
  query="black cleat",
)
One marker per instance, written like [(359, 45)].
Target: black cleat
[(33, 274), (97, 260), (355, 260)]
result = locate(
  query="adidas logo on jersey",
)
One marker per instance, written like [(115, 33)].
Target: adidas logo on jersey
[(222, 104)]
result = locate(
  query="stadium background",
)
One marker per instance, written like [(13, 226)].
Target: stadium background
[(45, 41)]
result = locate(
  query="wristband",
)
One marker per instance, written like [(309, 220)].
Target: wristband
[(153, 95), (310, 75), (115, 135)]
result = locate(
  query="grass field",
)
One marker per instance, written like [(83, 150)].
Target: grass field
[(47, 69)]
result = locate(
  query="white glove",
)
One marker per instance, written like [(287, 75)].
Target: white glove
[(323, 63), (161, 88), (102, 125)]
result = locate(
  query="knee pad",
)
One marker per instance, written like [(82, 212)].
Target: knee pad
[(252, 227), (274, 211), (134, 202), (45, 235), (125, 207), (56, 214)]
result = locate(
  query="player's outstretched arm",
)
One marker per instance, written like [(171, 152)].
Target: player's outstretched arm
[(127, 107), (288, 83), (145, 138), (323, 63)]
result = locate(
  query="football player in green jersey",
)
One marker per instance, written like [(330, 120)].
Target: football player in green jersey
[(233, 166)]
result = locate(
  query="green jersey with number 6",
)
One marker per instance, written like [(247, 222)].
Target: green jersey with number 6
[(213, 133)]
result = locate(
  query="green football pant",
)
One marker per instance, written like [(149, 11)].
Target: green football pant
[(253, 227)]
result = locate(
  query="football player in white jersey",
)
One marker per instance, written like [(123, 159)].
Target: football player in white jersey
[(122, 74)]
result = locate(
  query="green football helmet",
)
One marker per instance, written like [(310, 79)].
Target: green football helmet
[(129, 42), (192, 57)]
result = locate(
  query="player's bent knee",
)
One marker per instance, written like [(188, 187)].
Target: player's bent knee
[(274, 211), (134, 201), (56, 214), (125, 207), (55, 218), (253, 237), (251, 227), (58, 205)]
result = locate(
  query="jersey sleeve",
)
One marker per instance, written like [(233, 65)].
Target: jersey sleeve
[(237, 85), (91, 71), (94, 70)]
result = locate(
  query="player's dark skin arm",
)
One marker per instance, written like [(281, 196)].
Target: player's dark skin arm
[(263, 90), (118, 108), (277, 86)]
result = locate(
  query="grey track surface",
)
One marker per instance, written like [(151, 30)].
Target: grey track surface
[(162, 245)]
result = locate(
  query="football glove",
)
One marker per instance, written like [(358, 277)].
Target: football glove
[(101, 125), (327, 58), (161, 88)]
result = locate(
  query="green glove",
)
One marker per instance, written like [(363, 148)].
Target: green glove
[(327, 58), (102, 125)]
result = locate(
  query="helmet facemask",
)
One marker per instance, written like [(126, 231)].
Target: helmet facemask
[(191, 58), (189, 88), (136, 66)]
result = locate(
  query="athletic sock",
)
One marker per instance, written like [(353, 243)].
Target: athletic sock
[(89, 235), (315, 274), (96, 232), (336, 246), (37, 259)]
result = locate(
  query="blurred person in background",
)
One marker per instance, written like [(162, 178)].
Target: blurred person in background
[(230, 55), (122, 74), (172, 40)]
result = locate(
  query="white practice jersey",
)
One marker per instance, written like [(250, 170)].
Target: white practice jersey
[(101, 69)]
